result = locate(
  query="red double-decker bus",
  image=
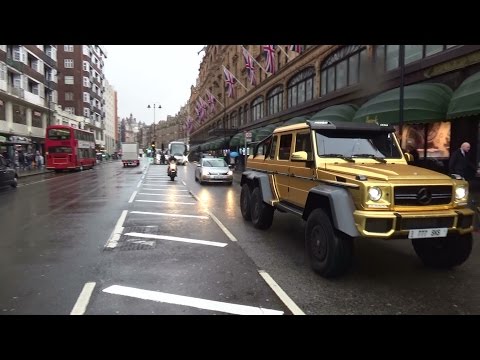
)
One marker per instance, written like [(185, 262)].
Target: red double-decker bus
[(68, 148)]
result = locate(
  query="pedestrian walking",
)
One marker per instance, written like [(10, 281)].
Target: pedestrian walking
[(459, 163)]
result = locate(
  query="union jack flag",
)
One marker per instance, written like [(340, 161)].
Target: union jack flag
[(249, 66), (199, 110), (269, 51), (204, 106), (230, 80), (211, 101), (189, 124), (296, 48)]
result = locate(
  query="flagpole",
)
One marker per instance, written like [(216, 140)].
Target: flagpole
[(256, 62), (288, 57), (235, 78)]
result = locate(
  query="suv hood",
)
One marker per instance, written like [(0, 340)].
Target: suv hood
[(386, 171)]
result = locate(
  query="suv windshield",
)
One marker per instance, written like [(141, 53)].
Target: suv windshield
[(368, 144)]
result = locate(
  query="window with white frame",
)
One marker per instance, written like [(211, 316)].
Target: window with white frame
[(68, 63), (86, 97), (33, 86), (86, 112), (51, 51), (86, 50), (86, 81), (69, 80), (68, 96), (85, 66), (17, 81), (19, 54), (3, 71), (70, 110), (300, 87), (68, 48)]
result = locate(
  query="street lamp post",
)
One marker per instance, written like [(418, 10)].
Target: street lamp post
[(154, 133)]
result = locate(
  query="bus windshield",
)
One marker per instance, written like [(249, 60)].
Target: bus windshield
[(58, 134), (178, 149)]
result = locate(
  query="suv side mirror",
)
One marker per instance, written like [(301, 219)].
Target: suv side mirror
[(408, 157), (299, 156)]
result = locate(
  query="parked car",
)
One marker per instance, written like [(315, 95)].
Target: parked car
[(213, 170), (8, 174)]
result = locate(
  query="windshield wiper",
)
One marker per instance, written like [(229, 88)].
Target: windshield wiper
[(341, 156), (371, 156)]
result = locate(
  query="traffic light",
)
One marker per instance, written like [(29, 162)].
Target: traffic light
[(153, 148)]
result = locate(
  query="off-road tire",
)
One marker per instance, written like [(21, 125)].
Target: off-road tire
[(245, 202), (444, 253), (329, 251), (261, 213)]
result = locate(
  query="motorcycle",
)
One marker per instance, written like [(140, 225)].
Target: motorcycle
[(172, 169)]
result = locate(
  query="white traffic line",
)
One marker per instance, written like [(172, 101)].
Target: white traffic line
[(175, 238), (139, 183), (160, 181), (190, 301), (281, 294), (81, 305), (117, 231), (219, 223), (168, 202), (170, 194), (164, 189), (132, 197), (172, 215)]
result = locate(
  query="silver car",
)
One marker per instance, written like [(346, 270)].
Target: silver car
[(213, 170)]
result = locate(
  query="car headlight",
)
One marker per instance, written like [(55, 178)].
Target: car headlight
[(460, 192), (374, 193), (229, 172)]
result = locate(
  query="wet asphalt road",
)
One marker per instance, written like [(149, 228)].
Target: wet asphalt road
[(57, 236), (54, 232)]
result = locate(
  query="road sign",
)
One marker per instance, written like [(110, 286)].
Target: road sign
[(248, 136)]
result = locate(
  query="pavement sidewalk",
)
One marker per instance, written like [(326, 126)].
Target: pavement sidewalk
[(33, 171)]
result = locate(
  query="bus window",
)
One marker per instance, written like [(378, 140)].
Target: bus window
[(59, 150), (58, 134)]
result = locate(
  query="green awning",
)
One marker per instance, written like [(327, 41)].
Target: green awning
[(422, 103), (237, 140), (263, 132), (296, 120), (343, 112), (466, 99)]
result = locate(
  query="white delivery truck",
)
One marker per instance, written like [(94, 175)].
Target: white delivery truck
[(130, 154)]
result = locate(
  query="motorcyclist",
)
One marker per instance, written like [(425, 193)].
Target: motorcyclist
[(171, 159)]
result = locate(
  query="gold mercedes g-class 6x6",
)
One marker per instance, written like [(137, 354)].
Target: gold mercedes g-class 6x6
[(352, 181)]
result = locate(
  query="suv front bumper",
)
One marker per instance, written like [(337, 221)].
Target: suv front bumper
[(397, 224)]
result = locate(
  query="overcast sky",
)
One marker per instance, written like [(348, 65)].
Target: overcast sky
[(146, 74)]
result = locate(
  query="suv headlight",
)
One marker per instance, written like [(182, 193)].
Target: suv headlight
[(374, 193), (460, 192)]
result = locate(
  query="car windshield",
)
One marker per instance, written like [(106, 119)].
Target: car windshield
[(357, 144), (214, 163)]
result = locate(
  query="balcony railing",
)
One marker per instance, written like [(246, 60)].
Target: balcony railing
[(15, 64), (16, 91)]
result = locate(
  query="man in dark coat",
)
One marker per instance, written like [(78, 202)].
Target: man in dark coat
[(459, 163)]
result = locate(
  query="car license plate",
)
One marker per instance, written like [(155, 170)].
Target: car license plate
[(427, 233)]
